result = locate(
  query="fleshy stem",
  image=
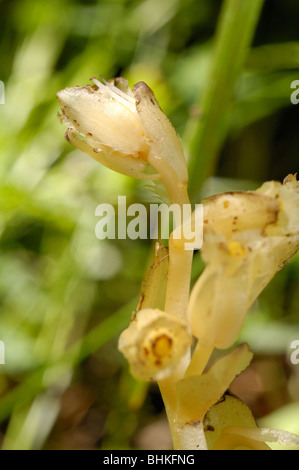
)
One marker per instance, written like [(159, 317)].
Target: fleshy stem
[(176, 303), (177, 297)]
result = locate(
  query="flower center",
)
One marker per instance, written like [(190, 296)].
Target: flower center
[(162, 346)]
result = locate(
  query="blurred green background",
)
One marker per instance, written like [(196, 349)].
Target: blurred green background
[(65, 295)]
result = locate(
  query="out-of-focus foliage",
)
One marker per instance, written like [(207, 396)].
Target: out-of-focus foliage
[(65, 295)]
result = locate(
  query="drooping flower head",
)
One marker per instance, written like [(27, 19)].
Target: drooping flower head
[(123, 129), (248, 237)]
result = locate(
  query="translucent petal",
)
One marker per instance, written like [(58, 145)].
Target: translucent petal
[(162, 137), (196, 394), (228, 412)]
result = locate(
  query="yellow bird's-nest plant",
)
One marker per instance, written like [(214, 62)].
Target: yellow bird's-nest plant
[(247, 238)]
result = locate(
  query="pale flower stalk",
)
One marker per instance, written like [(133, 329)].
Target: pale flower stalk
[(127, 131), (248, 237)]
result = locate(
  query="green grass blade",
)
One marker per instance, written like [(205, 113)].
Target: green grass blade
[(234, 34), (91, 342)]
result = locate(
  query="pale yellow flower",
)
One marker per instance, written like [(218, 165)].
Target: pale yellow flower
[(248, 238), (153, 344)]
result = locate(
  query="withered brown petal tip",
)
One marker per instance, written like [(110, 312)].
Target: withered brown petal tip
[(142, 89), (66, 136), (290, 178)]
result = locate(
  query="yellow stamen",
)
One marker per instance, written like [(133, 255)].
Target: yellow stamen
[(236, 249)]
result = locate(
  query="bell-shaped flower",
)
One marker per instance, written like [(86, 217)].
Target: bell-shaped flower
[(154, 343), (247, 238)]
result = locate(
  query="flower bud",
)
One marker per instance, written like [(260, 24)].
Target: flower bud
[(124, 130), (153, 344)]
